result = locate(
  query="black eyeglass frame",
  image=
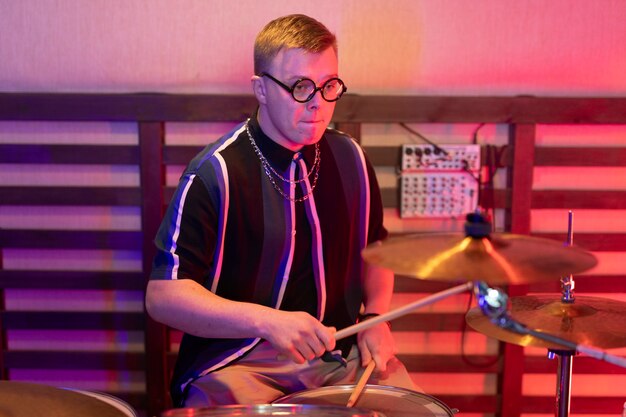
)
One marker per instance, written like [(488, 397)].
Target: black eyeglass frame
[(291, 89)]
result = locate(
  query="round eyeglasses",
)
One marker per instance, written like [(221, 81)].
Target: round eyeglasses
[(304, 89)]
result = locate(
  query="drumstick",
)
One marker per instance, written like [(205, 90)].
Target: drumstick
[(401, 311), (361, 384), (394, 314)]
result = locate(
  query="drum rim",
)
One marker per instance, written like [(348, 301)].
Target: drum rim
[(350, 387), (320, 407), (106, 398)]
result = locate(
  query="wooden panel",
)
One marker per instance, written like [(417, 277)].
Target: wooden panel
[(70, 239), (471, 403), (71, 320), (151, 110), (179, 155), (24, 239), (126, 107), (351, 108), (580, 365), (133, 361), (151, 140), (429, 322), (105, 280), (592, 241), (68, 154), (451, 363), (70, 196), (409, 284), (578, 199), (519, 179), (586, 284), (579, 405), (582, 157), (352, 129)]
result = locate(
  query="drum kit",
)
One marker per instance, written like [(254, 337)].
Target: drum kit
[(478, 259)]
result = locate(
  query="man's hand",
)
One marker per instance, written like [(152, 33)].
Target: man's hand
[(376, 343), (296, 335)]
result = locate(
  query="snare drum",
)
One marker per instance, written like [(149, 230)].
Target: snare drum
[(391, 401), (302, 410)]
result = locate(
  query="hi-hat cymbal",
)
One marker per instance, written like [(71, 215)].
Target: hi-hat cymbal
[(590, 321), (499, 259), (24, 399)]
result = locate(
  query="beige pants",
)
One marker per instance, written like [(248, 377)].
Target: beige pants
[(260, 378)]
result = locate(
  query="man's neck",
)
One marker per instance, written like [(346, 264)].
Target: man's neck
[(267, 128)]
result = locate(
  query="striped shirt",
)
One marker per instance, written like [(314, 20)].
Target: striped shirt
[(229, 229)]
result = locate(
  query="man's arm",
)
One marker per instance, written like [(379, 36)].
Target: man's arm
[(186, 305)]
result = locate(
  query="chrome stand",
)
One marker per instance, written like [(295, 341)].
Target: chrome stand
[(563, 381), (565, 357)]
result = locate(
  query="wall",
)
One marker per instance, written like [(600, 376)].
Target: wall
[(451, 47)]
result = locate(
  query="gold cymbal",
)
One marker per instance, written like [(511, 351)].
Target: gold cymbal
[(23, 399), (590, 321), (499, 259)]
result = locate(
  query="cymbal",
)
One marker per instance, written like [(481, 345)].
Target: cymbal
[(590, 321), (499, 259), (23, 399)]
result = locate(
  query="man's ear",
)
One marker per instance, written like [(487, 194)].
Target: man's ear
[(258, 89)]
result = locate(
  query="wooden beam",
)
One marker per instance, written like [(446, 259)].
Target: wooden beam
[(84, 280), (70, 320), (352, 129), (519, 181), (36, 359), (149, 107), (68, 154), (71, 239), (151, 140), (69, 196), (579, 199), (580, 157)]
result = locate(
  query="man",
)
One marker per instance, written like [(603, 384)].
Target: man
[(259, 252)]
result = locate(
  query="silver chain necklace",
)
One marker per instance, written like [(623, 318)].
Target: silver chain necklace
[(270, 172)]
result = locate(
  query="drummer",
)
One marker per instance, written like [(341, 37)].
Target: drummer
[(258, 255)]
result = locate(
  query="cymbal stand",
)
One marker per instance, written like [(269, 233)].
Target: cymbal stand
[(565, 357), (563, 380)]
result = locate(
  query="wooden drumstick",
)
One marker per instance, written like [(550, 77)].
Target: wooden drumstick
[(401, 311), (361, 384), (355, 328)]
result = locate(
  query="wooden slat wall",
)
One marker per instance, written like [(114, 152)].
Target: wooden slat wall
[(152, 113), (52, 239)]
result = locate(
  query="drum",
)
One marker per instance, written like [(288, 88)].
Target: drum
[(24, 399), (282, 410), (109, 399), (391, 401)]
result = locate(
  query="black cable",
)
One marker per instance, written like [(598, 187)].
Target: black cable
[(422, 137), (475, 134)]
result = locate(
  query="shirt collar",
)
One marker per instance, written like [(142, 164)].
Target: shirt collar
[(279, 156)]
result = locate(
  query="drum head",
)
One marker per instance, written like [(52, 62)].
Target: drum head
[(272, 410), (391, 401), (23, 399)]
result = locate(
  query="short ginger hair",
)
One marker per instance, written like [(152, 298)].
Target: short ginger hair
[(296, 31)]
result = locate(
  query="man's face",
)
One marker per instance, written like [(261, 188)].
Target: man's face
[(286, 121)]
